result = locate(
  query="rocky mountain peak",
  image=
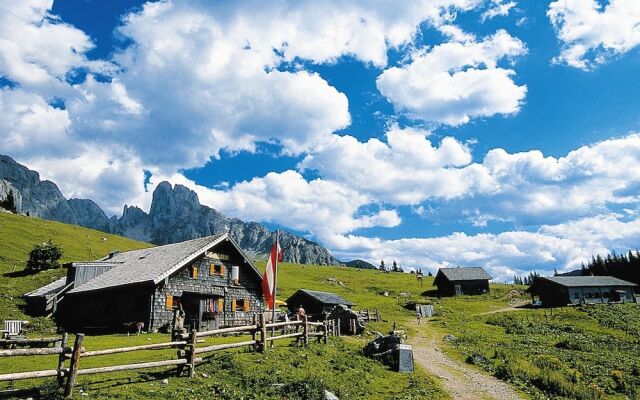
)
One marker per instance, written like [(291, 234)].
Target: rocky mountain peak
[(175, 215)]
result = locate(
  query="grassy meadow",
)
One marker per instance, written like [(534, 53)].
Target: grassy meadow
[(284, 372), (589, 352)]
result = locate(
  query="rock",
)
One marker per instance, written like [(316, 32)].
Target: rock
[(10, 197), (165, 381), (330, 396), (449, 338), (345, 315), (204, 375)]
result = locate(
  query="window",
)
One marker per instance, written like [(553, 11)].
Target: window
[(216, 269), (194, 272), (240, 305)]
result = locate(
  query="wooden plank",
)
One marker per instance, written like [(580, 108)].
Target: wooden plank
[(279, 324), (289, 335), (128, 367), (192, 354), (61, 358), (263, 333), (305, 331), (153, 346), (28, 341), (73, 367), (223, 330), (31, 352), (28, 375), (225, 346)]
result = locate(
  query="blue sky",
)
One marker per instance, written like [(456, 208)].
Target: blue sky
[(439, 132)]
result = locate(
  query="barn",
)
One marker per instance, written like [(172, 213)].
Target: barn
[(210, 277), (317, 305), (558, 291), (462, 281)]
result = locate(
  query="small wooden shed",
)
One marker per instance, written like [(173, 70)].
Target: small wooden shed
[(558, 291), (462, 281), (315, 303), (43, 301)]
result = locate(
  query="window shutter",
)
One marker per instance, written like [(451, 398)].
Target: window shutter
[(221, 304), (222, 269), (233, 305), (194, 272), (169, 302), (246, 305), (212, 269)]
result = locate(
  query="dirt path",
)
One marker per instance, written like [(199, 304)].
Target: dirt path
[(515, 307), (461, 381)]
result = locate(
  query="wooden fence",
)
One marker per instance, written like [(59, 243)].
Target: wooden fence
[(189, 354)]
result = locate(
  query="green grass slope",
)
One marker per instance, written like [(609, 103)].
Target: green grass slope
[(18, 235), (284, 372)]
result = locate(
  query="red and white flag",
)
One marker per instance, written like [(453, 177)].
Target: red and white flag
[(269, 277)]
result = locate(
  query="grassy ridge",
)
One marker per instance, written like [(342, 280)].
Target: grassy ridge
[(18, 235)]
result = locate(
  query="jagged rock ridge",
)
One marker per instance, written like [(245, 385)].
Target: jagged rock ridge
[(175, 215)]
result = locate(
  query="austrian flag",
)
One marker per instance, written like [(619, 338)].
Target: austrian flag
[(270, 273)]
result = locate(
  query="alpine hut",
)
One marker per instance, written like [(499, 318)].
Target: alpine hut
[(316, 304), (210, 278), (462, 281), (558, 291)]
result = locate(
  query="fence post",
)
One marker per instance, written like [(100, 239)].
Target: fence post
[(61, 357), (73, 366), (263, 333), (254, 333), (305, 330), (326, 332), (338, 326), (192, 353)]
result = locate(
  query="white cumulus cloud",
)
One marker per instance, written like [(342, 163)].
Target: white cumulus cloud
[(456, 81), (592, 32)]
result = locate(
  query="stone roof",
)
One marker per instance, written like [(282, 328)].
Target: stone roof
[(465, 274), (150, 265), (324, 297), (51, 288), (583, 281)]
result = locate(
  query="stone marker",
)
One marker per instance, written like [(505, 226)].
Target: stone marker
[(404, 352)]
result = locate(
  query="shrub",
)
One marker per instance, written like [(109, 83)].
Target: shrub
[(43, 257)]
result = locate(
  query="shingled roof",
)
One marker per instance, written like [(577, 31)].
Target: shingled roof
[(150, 265), (51, 288), (325, 297), (465, 274), (585, 281)]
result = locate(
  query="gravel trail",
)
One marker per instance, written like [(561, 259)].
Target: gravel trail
[(460, 380)]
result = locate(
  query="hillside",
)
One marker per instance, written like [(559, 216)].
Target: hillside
[(588, 352), (18, 235)]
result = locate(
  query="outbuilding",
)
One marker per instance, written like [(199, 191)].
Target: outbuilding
[(557, 291), (462, 281), (316, 304), (210, 278)]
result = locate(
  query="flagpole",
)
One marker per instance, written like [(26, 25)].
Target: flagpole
[(275, 286)]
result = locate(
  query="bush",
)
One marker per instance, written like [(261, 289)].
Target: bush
[(43, 257)]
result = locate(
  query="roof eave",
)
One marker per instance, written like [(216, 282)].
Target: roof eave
[(189, 258)]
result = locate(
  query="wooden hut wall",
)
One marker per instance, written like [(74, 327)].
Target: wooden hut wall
[(109, 310)]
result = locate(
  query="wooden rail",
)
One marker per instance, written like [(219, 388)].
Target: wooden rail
[(154, 346), (188, 350)]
